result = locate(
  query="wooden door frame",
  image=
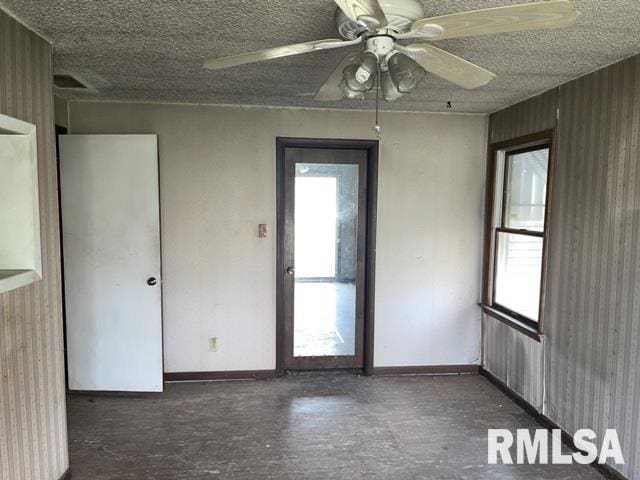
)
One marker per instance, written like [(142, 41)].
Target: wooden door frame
[(372, 149), (60, 130)]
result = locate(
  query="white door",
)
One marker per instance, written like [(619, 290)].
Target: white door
[(111, 246)]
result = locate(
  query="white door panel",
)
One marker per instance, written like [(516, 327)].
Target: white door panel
[(111, 242)]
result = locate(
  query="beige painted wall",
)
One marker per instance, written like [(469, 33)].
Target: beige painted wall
[(218, 182), (33, 427), (61, 113)]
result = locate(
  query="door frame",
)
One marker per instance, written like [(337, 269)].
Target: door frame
[(372, 149), (60, 130)]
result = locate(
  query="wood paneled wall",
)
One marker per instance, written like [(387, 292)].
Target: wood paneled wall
[(590, 376), (33, 431), (533, 115), (514, 358)]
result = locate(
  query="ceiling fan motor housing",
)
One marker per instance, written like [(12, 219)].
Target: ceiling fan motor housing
[(400, 14), (382, 46)]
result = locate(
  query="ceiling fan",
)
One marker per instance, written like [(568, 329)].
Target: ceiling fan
[(379, 25)]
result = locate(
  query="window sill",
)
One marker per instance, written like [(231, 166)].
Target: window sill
[(513, 323), (12, 279)]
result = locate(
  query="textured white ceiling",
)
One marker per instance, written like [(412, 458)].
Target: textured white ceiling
[(153, 50)]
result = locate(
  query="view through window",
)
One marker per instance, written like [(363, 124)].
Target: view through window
[(519, 235)]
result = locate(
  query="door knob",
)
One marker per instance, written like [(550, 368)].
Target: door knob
[(152, 281), (291, 271)]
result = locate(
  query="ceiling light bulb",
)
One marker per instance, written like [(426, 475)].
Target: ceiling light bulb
[(389, 90), (367, 66), (352, 82), (362, 75), (405, 72)]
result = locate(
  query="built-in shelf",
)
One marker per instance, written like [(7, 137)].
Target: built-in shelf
[(12, 279), (20, 258)]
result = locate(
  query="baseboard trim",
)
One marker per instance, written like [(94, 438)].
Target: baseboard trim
[(515, 397), (66, 475), (219, 376), (113, 393), (426, 370), (269, 374), (546, 422)]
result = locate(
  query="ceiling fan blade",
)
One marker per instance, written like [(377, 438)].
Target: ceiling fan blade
[(366, 12), (278, 52), (530, 16), (449, 66), (331, 91)]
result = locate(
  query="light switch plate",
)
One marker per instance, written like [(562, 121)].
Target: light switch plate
[(213, 344), (262, 230)]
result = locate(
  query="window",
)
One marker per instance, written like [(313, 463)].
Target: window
[(517, 230), (315, 226), (20, 262)]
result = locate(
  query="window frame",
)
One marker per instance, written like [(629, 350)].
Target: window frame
[(500, 152)]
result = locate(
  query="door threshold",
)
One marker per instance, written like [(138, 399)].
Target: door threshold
[(326, 372)]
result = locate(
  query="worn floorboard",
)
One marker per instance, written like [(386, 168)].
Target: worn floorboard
[(323, 426)]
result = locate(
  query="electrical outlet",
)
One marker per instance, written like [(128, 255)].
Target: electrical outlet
[(213, 344)]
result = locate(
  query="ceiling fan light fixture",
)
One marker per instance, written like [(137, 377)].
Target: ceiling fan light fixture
[(389, 90), (368, 65), (405, 72), (351, 79)]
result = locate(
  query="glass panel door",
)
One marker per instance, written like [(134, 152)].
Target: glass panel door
[(323, 255), (325, 258)]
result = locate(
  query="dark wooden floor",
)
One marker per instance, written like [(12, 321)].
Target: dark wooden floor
[(328, 426)]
